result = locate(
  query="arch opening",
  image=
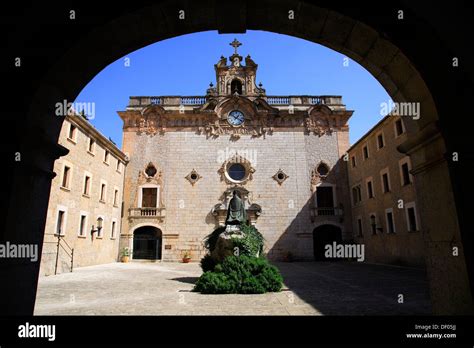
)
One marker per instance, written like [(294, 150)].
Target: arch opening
[(325, 235), (147, 242)]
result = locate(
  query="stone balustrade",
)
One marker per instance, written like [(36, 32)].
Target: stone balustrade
[(200, 100)]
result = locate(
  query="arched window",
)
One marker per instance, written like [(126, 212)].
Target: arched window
[(236, 86)]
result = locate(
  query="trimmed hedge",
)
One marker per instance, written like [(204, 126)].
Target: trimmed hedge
[(240, 275), (207, 263)]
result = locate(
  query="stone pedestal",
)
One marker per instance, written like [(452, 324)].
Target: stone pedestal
[(225, 245)]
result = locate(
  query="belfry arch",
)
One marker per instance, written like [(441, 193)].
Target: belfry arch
[(346, 33)]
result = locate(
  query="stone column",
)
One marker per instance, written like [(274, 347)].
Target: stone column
[(27, 217), (449, 282)]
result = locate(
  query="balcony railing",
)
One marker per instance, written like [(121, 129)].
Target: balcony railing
[(146, 212), (327, 213), (200, 100)]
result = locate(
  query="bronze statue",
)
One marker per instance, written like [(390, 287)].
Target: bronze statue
[(236, 214)]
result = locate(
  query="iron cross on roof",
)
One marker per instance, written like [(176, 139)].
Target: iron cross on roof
[(235, 44)]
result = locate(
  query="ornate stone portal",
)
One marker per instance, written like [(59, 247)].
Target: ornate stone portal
[(252, 210)]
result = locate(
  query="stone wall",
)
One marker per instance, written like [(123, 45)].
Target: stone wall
[(402, 247), (285, 219), (87, 250)]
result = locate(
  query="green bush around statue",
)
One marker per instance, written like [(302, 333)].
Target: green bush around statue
[(242, 275)]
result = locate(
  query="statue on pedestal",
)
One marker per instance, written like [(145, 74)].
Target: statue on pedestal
[(236, 214), (236, 217)]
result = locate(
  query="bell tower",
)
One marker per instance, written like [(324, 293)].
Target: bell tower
[(236, 78)]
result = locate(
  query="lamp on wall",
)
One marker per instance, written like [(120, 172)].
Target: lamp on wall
[(99, 227)]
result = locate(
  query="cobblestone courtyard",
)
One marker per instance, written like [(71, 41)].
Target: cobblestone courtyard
[(311, 288)]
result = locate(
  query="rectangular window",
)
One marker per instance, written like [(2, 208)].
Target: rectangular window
[(115, 197), (102, 192), (149, 197), (72, 132), (380, 141), (356, 194), (118, 166), (87, 184), (359, 227), (390, 224), (365, 150), (66, 174), (82, 226), (411, 216), (91, 145), (113, 229), (60, 223), (353, 159), (106, 156), (398, 127), (385, 183), (405, 174), (370, 189)]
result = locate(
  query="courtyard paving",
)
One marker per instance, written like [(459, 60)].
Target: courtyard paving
[(311, 288)]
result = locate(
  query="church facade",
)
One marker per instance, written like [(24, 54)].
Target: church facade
[(281, 154)]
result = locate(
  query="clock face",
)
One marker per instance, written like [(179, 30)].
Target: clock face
[(236, 118)]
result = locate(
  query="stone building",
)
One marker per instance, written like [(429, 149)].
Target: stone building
[(84, 212), (282, 154), (384, 211)]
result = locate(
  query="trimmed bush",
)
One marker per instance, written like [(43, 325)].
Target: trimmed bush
[(214, 283), (211, 240), (241, 274), (207, 263)]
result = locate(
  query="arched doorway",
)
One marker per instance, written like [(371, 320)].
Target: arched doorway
[(147, 243), (323, 235), (360, 35)]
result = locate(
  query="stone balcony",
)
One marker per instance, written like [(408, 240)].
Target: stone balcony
[(201, 100), (146, 214), (333, 214)]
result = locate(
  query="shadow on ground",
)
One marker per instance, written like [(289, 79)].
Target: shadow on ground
[(188, 280), (353, 288)]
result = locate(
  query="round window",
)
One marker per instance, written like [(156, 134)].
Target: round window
[(236, 171)]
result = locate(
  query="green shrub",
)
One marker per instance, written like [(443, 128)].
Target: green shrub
[(214, 283), (252, 242), (211, 240), (207, 263), (241, 274)]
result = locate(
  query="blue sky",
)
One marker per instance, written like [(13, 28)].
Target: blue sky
[(184, 65)]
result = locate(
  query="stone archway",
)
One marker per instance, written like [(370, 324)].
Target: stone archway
[(322, 236), (147, 243), (349, 34)]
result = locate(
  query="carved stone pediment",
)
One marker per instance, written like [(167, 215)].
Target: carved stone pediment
[(152, 120), (319, 174)]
